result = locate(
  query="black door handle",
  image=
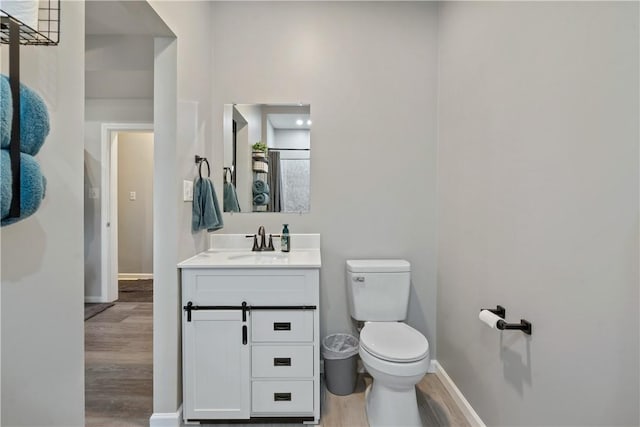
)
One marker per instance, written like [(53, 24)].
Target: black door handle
[(244, 335), (282, 397), (281, 361), (282, 326)]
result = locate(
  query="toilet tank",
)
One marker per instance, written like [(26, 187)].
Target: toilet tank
[(378, 290)]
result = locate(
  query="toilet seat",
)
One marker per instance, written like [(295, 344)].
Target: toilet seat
[(394, 342), (394, 369)]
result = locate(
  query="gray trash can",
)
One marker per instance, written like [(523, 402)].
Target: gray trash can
[(340, 352)]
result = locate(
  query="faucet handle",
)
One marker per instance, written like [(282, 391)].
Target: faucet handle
[(255, 248), (270, 245)]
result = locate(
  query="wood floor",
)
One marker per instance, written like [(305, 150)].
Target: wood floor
[(119, 366), (436, 406), (119, 378)]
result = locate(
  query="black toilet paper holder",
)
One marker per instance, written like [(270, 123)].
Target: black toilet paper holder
[(524, 325), (499, 311)]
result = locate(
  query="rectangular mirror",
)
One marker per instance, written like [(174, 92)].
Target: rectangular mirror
[(267, 157)]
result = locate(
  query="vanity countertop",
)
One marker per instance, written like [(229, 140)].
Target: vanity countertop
[(246, 259), (230, 251)]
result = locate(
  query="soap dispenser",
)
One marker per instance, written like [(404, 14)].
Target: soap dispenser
[(285, 239)]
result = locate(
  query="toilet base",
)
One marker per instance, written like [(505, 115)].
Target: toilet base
[(387, 407)]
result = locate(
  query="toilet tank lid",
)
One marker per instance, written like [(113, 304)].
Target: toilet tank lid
[(378, 265)]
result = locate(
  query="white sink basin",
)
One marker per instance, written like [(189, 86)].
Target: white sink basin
[(259, 256), (231, 251)]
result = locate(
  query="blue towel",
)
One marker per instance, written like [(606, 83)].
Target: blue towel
[(259, 187), (261, 199), (34, 118), (230, 198), (205, 210), (32, 186), (6, 111)]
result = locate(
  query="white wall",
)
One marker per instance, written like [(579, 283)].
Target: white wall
[(538, 195), (246, 137), (42, 260), (292, 138), (369, 72)]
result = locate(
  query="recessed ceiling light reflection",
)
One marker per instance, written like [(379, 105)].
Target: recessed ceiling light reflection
[(299, 122)]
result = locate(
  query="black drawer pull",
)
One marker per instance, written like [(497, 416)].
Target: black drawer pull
[(282, 397), (244, 335), (281, 361), (282, 326)]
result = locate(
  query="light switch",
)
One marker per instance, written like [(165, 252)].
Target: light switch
[(94, 192), (132, 195), (187, 191)]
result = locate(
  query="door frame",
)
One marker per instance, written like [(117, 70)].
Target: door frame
[(109, 206)]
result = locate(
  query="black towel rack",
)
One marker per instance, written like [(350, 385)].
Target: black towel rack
[(13, 28), (199, 161), (14, 33), (47, 33), (227, 173)]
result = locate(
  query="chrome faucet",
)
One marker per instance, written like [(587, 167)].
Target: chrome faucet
[(262, 246)]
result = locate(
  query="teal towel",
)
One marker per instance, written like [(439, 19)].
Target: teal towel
[(32, 186), (230, 198), (259, 187), (6, 112), (34, 118), (261, 199), (206, 213)]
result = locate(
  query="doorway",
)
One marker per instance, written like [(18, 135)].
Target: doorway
[(130, 82), (119, 339), (135, 216), (127, 209)]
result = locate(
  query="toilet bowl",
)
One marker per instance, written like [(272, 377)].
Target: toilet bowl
[(395, 354), (397, 357)]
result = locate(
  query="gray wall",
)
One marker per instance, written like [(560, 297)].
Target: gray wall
[(538, 208), (115, 66), (186, 61), (42, 262), (368, 70), (135, 217), (119, 66)]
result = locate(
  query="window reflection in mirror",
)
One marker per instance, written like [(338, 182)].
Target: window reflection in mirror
[(267, 157)]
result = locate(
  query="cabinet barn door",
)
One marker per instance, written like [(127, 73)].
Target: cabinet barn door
[(216, 366)]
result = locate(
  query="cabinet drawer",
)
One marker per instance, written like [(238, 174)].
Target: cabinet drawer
[(282, 361), (282, 326), (204, 286), (281, 397)]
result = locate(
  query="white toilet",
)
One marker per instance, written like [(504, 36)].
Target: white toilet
[(395, 354)]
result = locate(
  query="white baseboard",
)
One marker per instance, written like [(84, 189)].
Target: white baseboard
[(94, 299), (166, 419), (135, 276), (433, 367), (469, 413)]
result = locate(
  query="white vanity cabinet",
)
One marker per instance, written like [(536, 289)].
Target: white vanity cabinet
[(250, 343)]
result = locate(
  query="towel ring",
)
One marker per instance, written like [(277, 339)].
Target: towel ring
[(227, 173), (204, 160)]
